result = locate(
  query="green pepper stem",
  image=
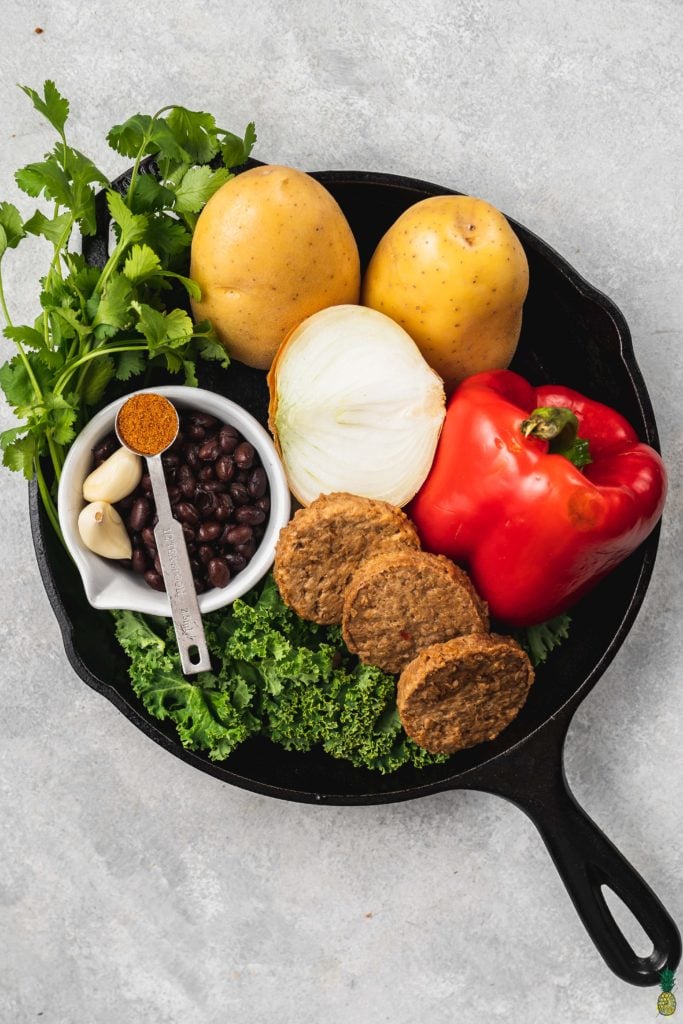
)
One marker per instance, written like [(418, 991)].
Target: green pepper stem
[(560, 427)]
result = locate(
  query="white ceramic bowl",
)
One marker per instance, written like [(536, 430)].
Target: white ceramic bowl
[(109, 585)]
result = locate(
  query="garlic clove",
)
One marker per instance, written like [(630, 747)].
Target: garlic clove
[(116, 478), (102, 531)]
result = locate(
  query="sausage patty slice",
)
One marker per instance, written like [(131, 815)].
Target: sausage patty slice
[(402, 600), (462, 692), (322, 546)]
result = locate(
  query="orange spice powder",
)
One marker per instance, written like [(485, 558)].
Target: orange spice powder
[(147, 423)]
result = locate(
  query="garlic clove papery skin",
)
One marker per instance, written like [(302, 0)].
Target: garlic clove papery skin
[(102, 531), (116, 478), (354, 407)]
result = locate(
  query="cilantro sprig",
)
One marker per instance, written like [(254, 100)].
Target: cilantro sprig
[(99, 324)]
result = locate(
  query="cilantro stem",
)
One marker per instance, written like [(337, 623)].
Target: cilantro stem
[(68, 372), (109, 266), (136, 167), (20, 347), (3, 303), (55, 455), (47, 500)]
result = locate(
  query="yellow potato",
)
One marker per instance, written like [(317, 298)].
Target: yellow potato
[(453, 273), (270, 248)]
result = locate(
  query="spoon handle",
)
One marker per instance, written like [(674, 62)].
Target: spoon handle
[(175, 568)]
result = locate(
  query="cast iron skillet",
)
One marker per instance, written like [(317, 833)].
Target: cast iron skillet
[(571, 334)]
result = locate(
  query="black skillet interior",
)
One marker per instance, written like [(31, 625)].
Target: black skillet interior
[(571, 334)]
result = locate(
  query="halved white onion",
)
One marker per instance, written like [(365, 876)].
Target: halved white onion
[(354, 407)]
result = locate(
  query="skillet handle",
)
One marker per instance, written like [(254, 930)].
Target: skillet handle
[(532, 776)]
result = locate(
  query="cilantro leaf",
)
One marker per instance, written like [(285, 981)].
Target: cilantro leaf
[(211, 348), (149, 135), (46, 176), (33, 339), (18, 453), (52, 228), (197, 186), (163, 329), (190, 369), (235, 151), (132, 225), (51, 105), (113, 310), (61, 417), (150, 195), (129, 364), (16, 383), (167, 236), (195, 132), (83, 174), (11, 227), (141, 263)]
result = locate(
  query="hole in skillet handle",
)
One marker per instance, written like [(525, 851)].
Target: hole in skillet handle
[(531, 775)]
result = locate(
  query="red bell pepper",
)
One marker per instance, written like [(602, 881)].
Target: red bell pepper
[(536, 531)]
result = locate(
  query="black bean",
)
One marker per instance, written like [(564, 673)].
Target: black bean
[(228, 438), (139, 560), (186, 481), (235, 562), (199, 585), (205, 502), (247, 549), (104, 449), (206, 473), (242, 476), (195, 432), (257, 483), (250, 514), (244, 455), (196, 567), (239, 494), (209, 531), (237, 535), (170, 460), (155, 580), (209, 451), (218, 572), (174, 493), (191, 456), (225, 468), (139, 514), (263, 503), (157, 562), (224, 507), (215, 486), (147, 536), (127, 503), (188, 533), (202, 419), (187, 513), (206, 553)]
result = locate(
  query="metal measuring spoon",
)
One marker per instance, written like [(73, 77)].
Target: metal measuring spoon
[(174, 559)]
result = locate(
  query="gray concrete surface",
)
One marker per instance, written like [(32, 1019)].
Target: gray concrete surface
[(134, 889)]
